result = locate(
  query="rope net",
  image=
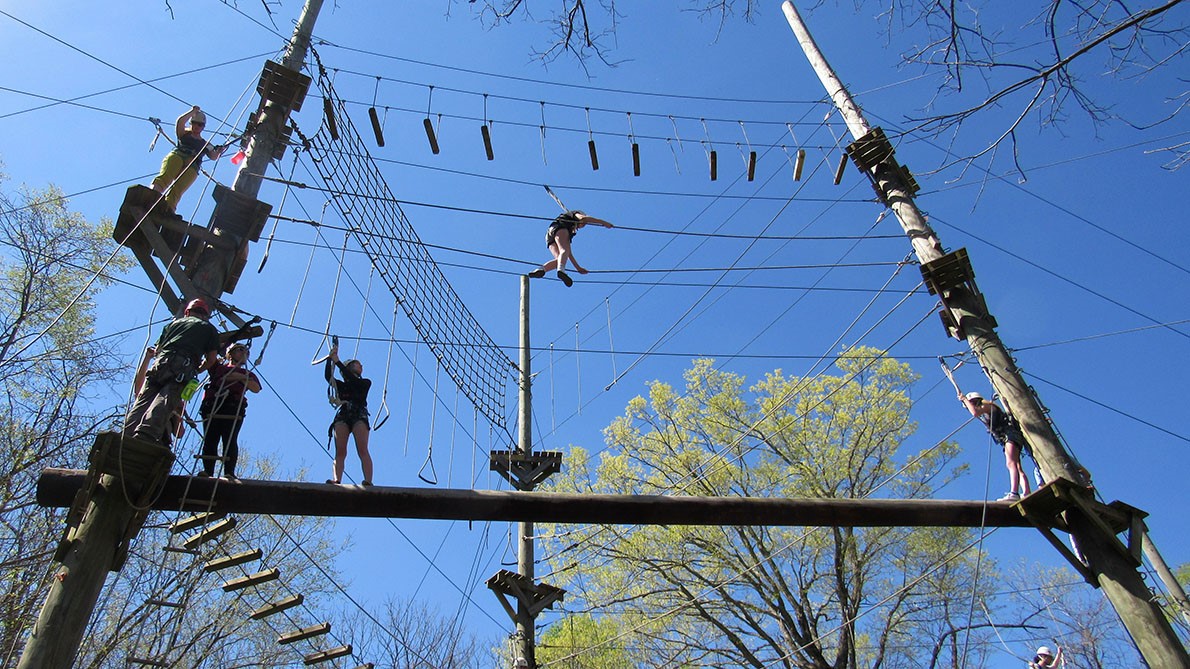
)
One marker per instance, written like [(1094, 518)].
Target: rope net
[(466, 352)]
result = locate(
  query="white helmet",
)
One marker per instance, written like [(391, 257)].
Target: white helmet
[(973, 395), (198, 118), (1045, 650)]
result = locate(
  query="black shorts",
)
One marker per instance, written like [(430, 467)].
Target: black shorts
[(553, 230), (349, 414)]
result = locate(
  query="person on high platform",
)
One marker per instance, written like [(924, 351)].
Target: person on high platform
[(223, 407), (558, 238), (186, 347), (351, 418), (1007, 433), (180, 167)]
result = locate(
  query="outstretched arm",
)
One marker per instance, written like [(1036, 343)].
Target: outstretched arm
[(584, 219)]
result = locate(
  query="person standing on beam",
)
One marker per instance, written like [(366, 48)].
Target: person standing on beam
[(351, 418), (180, 167), (1008, 434)]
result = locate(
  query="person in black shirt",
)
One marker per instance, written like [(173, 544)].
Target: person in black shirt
[(1007, 433), (351, 419), (558, 237)]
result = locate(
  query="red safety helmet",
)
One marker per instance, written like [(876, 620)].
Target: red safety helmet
[(199, 305)]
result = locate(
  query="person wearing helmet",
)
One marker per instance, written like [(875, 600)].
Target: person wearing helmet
[(1045, 658), (180, 167), (186, 347), (557, 239), (351, 417), (223, 407), (1008, 434)]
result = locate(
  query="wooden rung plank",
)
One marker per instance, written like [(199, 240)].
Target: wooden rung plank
[(195, 521), (251, 579), (329, 654), (307, 633), (211, 532), (366, 665), (277, 607), (233, 560), (188, 551), (162, 602), (199, 503), (147, 662)]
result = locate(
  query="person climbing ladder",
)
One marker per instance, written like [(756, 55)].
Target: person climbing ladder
[(180, 167), (558, 238)]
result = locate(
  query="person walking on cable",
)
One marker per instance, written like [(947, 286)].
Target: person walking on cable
[(1007, 433), (558, 239), (223, 408), (351, 419), (180, 167), (186, 347)]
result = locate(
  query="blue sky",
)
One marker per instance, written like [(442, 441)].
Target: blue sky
[(1080, 260)]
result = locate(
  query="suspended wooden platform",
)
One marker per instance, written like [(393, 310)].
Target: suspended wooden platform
[(56, 488)]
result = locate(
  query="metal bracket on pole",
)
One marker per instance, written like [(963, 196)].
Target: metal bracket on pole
[(534, 596), (525, 471)]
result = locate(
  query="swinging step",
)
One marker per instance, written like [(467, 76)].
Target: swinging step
[(146, 662), (232, 560), (252, 579), (277, 607), (187, 551), (325, 655), (194, 504), (195, 521), (307, 633), (212, 531), (162, 602)]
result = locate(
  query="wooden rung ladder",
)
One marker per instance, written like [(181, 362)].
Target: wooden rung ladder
[(195, 521)]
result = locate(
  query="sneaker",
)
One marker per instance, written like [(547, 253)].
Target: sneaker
[(366, 484), (332, 482), (203, 475), (1010, 497), (537, 274), (230, 477), (565, 278)]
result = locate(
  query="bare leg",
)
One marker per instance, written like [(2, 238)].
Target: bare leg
[(341, 433), (361, 432), (563, 252), (1018, 481)]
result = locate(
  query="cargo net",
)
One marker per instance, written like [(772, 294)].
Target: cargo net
[(466, 352)]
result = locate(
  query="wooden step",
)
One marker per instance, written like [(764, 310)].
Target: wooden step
[(232, 560), (307, 633), (195, 521), (252, 579), (325, 655), (146, 662), (162, 602), (211, 532), (277, 607)]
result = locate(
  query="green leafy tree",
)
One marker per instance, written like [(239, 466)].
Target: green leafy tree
[(586, 642), (52, 369), (769, 596)]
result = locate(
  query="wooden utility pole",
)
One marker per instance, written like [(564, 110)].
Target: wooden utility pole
[(525, 469), (124, 472), (1109, 563)]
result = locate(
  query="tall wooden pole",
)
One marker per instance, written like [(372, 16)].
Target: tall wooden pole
[(524, 618), (1119, 579)]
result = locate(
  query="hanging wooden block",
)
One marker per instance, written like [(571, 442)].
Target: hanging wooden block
[(839, 170), (328, 111), (211, 532), (277, 607), (799, 164), (197, 520), (635, 159), (429, 125), (162, 602), (714, 165), (594, 156), (487, 141), (147, 663), (376, 126), (751, 165)]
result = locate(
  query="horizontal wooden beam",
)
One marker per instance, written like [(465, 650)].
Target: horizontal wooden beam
[(56, 488)]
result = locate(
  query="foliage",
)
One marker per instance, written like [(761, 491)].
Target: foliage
[(583, 642), (768, 596), (52, 261)]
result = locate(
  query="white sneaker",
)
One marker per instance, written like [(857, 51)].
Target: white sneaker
[(1010, 497)]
